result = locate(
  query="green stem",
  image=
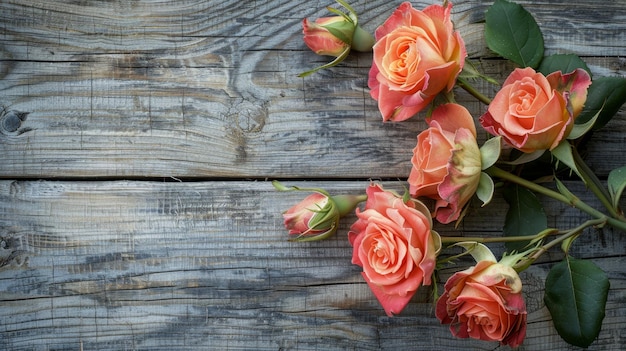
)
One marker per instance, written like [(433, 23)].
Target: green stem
[(543, 249), (501, 239), (594, 184), (574, 201), (470, 89)]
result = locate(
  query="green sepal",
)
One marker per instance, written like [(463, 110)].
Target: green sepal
[(479, 251), (490, 152), (485, 188)]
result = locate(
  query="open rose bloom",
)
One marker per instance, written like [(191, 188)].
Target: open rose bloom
[(446, 161), (533, 112), (417, 55), (394, 242), (485, 302)]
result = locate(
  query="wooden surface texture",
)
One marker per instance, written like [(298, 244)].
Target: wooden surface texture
[(137, 141)]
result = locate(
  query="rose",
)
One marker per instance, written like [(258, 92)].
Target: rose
[(314, 216), (533, 112), (394, 242), (446, 161), (485, 302), (317, 216), (335, 36), (319, 38), (417, 55)]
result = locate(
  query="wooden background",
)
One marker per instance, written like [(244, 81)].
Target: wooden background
[(138, 139)]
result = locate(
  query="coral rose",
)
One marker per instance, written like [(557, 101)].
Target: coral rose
[(417, 55), (485, 302), (394, 242), (533, 112), (446, 161)]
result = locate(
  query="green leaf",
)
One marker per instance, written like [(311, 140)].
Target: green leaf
[(605, 95), (525, 215), (616, 183), (565, 63), (576, 293), (511, 32)]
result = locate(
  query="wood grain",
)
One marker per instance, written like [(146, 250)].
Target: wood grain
[(206, 265), (99, 100), (197, 89)]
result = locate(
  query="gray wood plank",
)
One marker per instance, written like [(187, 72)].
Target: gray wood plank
[(196, 89), (206, 265)]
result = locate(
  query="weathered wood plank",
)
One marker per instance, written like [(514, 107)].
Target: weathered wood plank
[(206, 265), (209, 88)]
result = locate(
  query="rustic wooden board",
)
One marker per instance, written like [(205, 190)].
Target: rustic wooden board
[(108, 96), (196, 89), (206, 265)]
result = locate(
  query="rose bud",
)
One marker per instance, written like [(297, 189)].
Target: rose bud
[(335, 36), (317, 216)]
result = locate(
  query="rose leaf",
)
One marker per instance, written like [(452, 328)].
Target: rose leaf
[(604, 96), (565, 63), (525, 215), (616, 183), (513, 33), (576, 293)]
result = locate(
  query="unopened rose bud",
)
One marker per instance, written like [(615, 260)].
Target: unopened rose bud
[(313, 218), (319, 37), (317, 216), (335, 36)]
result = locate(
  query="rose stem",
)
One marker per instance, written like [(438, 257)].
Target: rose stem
[(497, 172), (470, 89)]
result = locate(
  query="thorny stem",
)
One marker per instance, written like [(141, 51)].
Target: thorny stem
[(594, 184), (574, 201), (543, 249), (503, 239)]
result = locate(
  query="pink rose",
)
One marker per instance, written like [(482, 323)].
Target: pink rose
[(485, 302), (417, 55), (533, 112), (394, 242), (446, 161)]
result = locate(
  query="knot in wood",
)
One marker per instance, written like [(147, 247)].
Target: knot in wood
[(11, 120)]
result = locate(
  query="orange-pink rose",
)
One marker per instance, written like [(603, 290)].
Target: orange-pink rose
[(485, 302), (394, 242), (417, 55), (534, 112), (446, 161)]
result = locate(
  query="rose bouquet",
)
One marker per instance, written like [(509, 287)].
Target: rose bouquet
[(541, 111)]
